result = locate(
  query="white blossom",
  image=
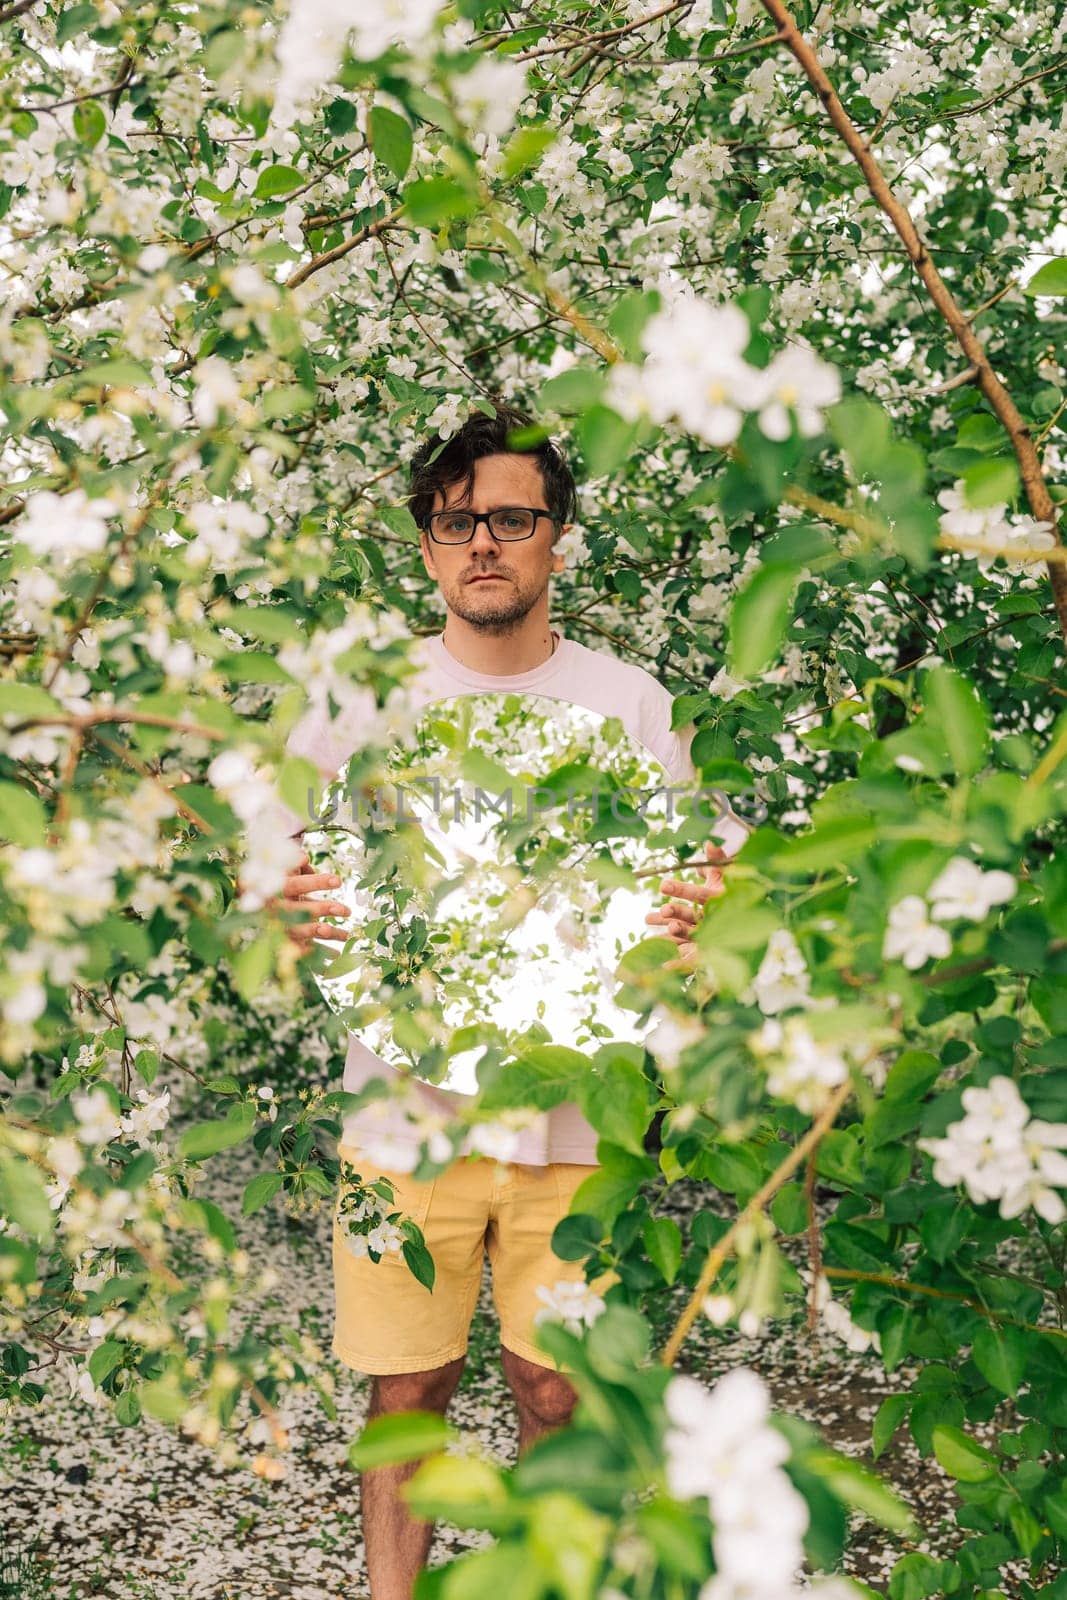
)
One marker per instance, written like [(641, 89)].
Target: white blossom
[(796, 381), (783, 979), (911, 936), (574, 1304), (800, 1069), (999, 1152), (962, 889), (64, 526), (97, 1120), (721, 1445), (149, 1117), (493, 1139), (489, 94), (671, 1035)]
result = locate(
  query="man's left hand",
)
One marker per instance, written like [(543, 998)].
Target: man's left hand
[(681, 916)]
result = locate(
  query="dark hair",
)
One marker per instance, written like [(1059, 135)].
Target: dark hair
[(438, 465)]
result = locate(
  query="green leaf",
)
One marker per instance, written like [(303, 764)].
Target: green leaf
[(576, 1236), (28, 700), (90, 123), (610, 1189), (277, 180), (299, 783), (663, 1241), (104, 1359), (465, 1490), (988, 483), (208, 1138), (1049, 279), (577, 389), (223, 51), (431, 201), (1000, 1355), (862, 431), (252, 965), (758, 618), (23, 1197), (391, 139), (259, 1190), (615, 1100), (605, 439), (789, 1208), (915, 1577), (272, 624), (399, 1436), (22, 817), (887, 1419), (419, 1260), (75, 20), (1025, 1526), (678, 1538), (981, 432), (252, 666), (961, 1456), (120, 373), (829, 844), (128, 1408), (863, 1489), (398, 520), (956, 709), (526, 147), (163, 1399)]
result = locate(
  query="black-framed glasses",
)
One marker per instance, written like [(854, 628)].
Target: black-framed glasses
[(503, 522)]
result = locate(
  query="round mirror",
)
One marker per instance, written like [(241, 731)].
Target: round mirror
[(499, 866)]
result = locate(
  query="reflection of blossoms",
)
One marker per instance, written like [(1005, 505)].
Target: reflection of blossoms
[(494, 1139), (671, 1035), (999, 1152), (695, 372), (488, 96), (223, 530), (796, 381)]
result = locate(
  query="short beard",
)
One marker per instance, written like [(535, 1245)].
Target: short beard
[(503, 620)]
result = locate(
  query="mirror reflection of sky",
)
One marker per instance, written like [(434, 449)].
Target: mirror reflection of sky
[(506, 930)]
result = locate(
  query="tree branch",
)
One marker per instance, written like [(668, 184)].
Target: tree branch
[(822, 1124), (1007, 411)]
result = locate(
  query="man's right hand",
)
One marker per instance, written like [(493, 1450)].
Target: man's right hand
[(296, 896)]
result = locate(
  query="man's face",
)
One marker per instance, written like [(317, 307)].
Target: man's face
[(521, 567)]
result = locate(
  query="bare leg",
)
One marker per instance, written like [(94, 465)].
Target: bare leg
[(543, 1397), (397, 1544)]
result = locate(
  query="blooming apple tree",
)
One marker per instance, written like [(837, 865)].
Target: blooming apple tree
[(789, 281)]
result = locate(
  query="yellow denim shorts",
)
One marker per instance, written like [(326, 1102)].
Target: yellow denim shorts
[(386, 1321)]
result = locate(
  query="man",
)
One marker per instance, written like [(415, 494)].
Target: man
[(497, 636)]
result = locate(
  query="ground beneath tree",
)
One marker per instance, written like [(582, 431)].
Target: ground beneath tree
[(142, 1513)]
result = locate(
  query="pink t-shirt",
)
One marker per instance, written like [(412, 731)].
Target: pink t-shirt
[(583, 677)]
